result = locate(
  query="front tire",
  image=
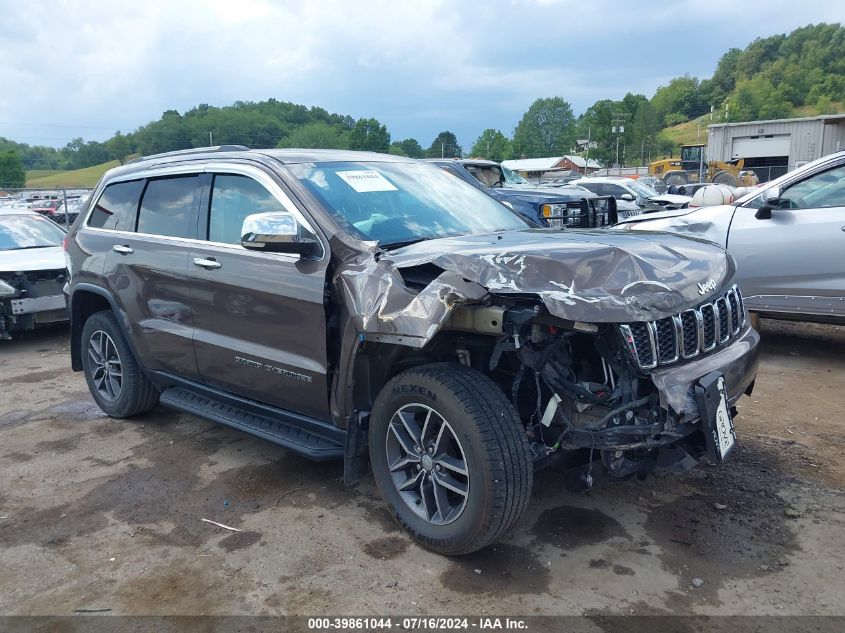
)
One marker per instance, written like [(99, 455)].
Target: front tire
[(114, 377), (450, 456)]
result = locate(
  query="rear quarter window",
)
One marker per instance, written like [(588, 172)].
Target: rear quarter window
[(169, 207), (117, 206)]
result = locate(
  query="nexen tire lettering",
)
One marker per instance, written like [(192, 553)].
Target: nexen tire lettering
[(417, 389)]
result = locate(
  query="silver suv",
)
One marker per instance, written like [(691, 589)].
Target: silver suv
[(787, 237)]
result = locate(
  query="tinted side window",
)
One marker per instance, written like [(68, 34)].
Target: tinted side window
[(117, 206), (169, 207), (232, 199), (826, 189), (614, 190)]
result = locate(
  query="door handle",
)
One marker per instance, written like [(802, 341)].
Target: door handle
[(123, 249), (206, 263)]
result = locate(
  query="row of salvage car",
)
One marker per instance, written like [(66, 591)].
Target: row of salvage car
[(788, 260)]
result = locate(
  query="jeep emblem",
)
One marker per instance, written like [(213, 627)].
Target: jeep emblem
[(707, 286)]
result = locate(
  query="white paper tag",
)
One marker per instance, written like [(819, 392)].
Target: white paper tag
[(551, 408), (365, 181)]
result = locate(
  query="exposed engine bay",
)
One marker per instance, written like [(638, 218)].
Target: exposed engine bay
[(575, 386)]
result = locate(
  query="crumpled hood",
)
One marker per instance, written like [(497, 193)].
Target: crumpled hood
[(32, 259), (594, 276)]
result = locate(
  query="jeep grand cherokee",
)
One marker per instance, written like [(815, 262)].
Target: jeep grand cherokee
[(375, 309)]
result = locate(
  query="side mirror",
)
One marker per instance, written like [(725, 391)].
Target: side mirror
[(276, 232), (771, 200), (627, 197)]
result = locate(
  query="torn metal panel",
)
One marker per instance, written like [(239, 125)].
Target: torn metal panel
[(590, 276), (383, 308), (737, 362)]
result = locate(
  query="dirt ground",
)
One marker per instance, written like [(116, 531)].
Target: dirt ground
[(104, 514)]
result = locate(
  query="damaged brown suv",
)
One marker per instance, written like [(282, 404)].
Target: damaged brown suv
[(375, 309)]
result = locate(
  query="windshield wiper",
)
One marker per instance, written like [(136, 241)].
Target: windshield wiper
[(416, 240), (24, 248)]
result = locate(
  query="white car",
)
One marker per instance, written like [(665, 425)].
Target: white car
[(632, 197), (32, 272), (787, 238)]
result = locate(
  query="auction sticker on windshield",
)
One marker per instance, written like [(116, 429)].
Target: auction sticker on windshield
[(365, 181)]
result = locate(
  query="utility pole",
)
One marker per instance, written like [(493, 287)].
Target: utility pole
[(442, 150), (618, 129), (587, 160), (210, 139), (642, 151)]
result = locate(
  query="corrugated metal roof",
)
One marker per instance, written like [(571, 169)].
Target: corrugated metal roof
[(821, 117)]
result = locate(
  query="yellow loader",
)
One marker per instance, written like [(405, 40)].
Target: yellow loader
[(691, 166)]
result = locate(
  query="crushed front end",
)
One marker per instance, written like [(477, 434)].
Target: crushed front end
[(31, 299), (625, 397)]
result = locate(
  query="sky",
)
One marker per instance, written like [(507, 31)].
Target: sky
[(89, 68)]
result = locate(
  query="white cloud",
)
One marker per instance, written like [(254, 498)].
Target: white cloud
[(98, 65)]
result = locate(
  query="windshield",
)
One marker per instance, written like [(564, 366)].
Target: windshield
[(642, 189), (513, 178), (24, 231), (397, 203)]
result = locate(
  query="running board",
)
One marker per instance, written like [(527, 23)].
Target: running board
[(296, 433)]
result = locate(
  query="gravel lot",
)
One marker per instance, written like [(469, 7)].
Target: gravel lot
[(104, 514)]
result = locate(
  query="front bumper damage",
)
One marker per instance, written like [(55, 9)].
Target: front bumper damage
[(676, 399), (675, 440), (38, 300)]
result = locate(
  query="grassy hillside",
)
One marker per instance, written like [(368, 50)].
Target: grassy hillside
[(688, 132), (86, 177)]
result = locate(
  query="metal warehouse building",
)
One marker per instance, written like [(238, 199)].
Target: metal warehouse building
[(771, 148)]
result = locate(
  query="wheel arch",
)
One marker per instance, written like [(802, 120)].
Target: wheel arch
[(85, 300)]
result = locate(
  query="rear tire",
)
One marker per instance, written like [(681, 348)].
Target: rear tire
[(114, 377), (725, 178), (481, 448)]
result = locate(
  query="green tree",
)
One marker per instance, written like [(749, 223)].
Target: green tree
[(681, 97), (168, 134), (411, 147), (317, 135), (370, 135), (493, 145), (12, 173), (446, 145), (118, 147), (596, 123), (546, 129)]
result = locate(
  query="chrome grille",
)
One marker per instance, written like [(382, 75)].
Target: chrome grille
[(687, 334)]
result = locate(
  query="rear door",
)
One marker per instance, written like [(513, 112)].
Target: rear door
[(259, 318), (793, 262), (146, 270)]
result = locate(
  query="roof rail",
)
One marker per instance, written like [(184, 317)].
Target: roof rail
[(194, 150)]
